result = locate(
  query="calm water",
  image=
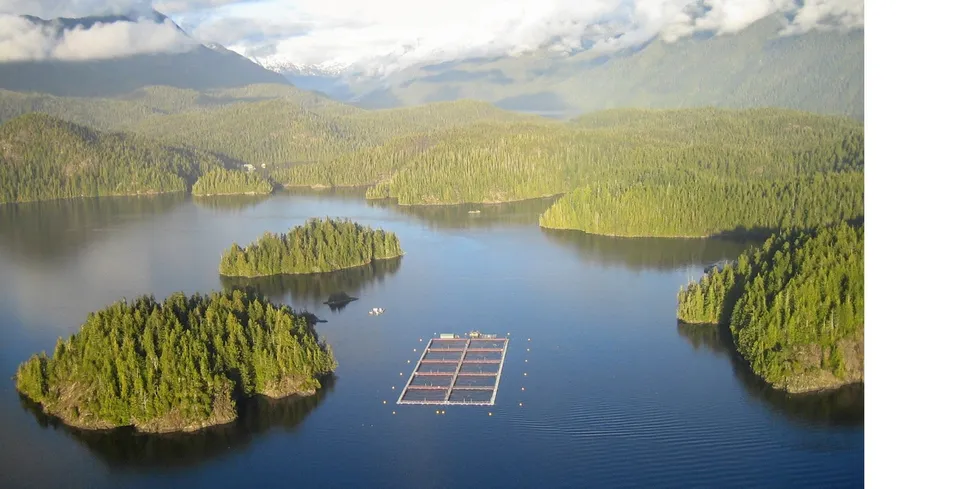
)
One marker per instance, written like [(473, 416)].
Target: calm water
[(617, 394)]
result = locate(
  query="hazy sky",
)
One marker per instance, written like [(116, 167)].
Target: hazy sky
[(384, 35)]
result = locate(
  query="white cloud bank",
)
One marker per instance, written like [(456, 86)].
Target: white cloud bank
[(382, 36), (24, 40)]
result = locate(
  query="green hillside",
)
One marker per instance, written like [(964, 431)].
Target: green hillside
[(795, 307), (820, 71), (44, 158)]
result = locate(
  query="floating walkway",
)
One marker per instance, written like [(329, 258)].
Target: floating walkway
[(457, 371)]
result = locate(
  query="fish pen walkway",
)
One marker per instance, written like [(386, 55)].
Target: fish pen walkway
[(457, 371)]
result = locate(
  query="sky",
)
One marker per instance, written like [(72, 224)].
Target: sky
[(383, 36)]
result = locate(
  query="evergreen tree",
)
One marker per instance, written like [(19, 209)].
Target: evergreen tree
[(176, 365), (795, 306), (319, 245)]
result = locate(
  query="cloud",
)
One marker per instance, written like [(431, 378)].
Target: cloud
[(24, 40), (827, 14), (49, 9), (382, 36)]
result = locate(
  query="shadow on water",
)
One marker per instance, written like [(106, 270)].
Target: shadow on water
[(841, 407), (230, 202), (317, 288), (57, 229), (466, 216), (648, 253), (126, 448)]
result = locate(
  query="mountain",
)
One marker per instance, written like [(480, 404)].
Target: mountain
[(199, 68), (819, 71)]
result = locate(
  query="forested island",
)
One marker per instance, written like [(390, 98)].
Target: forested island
[(220, 181), (319, 245), (176, 365), (795, 307)]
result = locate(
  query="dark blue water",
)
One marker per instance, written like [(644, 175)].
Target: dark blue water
[(617, 394)]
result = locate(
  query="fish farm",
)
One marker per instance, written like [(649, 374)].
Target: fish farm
[(454, 370)]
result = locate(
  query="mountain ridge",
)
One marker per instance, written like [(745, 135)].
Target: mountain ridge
[(201, 67)]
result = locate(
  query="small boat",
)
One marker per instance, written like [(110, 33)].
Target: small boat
[(474, 211), (377, 311)]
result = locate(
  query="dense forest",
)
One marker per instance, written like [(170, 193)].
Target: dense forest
[(626, 172), (220, 181), (795, 306), (43, 158), (179, 365), (708, 206), (319, 245)]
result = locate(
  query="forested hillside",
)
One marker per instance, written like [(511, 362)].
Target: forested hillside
[(319, 245), (819, 71), (177, 365), (795, 307), (627, 172), (44, 158)]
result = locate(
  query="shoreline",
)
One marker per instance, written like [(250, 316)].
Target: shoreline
[(788, 385), (102, 426), (313, 273), (231, 194)]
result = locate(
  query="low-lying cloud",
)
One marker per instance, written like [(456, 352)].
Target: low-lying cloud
[(383, 36), (22, 39)]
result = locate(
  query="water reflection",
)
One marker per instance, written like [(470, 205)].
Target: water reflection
[(472, 215), (40, 231), (647, 253), (127, 448), (315, 289), (341, 194), (230, 202), (843, 407)]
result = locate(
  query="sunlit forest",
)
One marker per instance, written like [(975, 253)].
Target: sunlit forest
[(795, 306), (319, 245), (176, 365)]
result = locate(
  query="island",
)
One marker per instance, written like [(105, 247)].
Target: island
[(317, 246), (794, 306), (176, 365), (221, 181)]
